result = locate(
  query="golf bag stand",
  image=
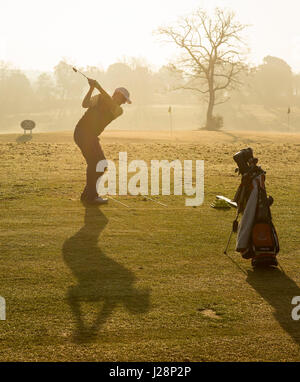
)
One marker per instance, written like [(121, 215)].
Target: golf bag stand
[(256, 237)]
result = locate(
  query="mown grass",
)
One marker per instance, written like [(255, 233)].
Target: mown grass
[(131, 284)]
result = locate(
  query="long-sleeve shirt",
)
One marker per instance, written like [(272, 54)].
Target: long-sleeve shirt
[(102, 111)]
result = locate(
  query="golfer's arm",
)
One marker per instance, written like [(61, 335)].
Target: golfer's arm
[(101, 90), (87, 98)]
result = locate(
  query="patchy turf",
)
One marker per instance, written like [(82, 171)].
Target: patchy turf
[(148, 282)]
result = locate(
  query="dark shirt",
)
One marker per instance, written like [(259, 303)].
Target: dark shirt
[(102, 111)]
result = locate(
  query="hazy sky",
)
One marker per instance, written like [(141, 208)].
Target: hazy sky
[(36, 34)]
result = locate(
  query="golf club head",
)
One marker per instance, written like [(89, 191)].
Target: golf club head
[(77, 71)]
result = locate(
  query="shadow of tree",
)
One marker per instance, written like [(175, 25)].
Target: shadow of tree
[(245, 141), (100, 279), (277, 289)]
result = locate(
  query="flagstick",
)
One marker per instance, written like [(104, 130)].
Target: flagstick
[(171, 121)]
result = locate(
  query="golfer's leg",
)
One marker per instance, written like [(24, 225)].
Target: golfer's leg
[(94, 155), (90, 189), (82, 141), (98, 155)]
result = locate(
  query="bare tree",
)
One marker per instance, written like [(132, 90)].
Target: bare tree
[(211, 54)]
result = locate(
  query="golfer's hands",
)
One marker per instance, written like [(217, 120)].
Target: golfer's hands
[(92, 83)]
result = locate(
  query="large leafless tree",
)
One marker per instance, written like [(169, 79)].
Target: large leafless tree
[(211, 54)]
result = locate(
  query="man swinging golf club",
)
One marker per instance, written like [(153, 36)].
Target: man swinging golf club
[(102, 109)]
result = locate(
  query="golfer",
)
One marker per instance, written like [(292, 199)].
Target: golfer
[(101, 110)]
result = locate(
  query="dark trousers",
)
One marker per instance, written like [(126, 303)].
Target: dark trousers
[(92, 151)]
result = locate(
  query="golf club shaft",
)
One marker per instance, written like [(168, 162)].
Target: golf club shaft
[(78, 71), (82, 74), (225, 252)]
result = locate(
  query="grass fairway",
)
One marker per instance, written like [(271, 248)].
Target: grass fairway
[(145, 283)]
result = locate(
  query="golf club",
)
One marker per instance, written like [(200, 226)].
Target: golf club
[(234, 230), (77, 71)]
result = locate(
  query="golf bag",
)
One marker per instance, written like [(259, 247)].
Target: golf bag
[(256, 235)]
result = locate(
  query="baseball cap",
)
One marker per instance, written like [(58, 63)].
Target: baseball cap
[(125, 93)]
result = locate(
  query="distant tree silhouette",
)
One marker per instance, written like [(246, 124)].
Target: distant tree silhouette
[(210, 58), (296, 85), (273, 82), (16, 93), (69, 87), (45, 92), (119, 74)]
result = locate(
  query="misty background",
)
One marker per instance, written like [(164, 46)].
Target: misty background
[(53, 99), (37, 82)]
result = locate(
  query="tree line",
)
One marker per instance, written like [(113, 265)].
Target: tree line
[(271, 84), (209, 70), (64, 89)]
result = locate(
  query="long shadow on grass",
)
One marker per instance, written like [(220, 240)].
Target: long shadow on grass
[(235, 138), (277, 289), (100, 279), (24, 138)]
